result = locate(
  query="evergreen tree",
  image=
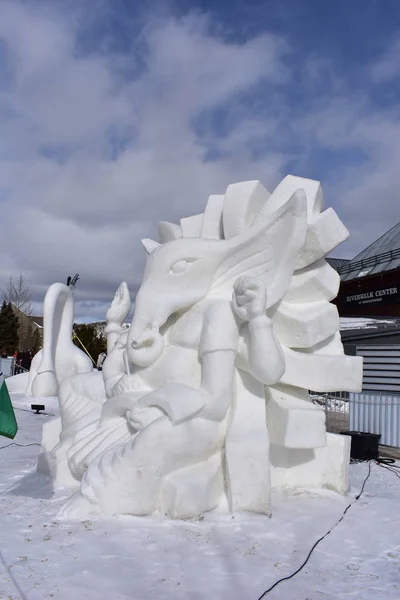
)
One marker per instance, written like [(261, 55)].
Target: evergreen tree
[(19, 294), (8, 329), (36, 343), (94, 342)]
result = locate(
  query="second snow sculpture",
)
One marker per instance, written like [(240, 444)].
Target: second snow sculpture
[(206, 395), (59, 358)]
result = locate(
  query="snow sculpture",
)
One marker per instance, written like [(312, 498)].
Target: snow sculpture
[(59, 357), (206, 394)]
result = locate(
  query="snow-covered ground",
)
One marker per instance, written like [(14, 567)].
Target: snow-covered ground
[(363, 323), (221, 557)]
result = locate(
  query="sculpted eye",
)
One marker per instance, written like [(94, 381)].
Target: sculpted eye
[(181, 265)]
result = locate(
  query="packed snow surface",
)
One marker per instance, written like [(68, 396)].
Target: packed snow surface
[(221, 557), (364, 323)]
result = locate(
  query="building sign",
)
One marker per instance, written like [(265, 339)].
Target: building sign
[(385, 296)]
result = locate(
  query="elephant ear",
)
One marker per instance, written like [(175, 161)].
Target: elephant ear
[(268, 249)]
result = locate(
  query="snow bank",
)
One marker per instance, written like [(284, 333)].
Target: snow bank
[(363, 323)]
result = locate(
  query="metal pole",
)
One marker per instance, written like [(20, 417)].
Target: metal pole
[(84, 347)]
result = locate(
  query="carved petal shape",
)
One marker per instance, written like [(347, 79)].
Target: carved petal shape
[(286, 189), (212, 221), (191, 226), (169, 231), (243, 202), (149, 245), (323, 235)]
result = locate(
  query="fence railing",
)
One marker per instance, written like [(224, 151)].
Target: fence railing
[(336, 405), (369, 413), (9, 367), (371, 261), (372, 413)]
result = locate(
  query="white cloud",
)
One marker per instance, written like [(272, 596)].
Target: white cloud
[(91, 158), (388, 66), (367, 194), (361, 130)]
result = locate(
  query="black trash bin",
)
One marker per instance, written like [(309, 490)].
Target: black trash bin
[(364, 446)]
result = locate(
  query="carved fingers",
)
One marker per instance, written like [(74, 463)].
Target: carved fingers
[(249, 298), (139, 418), (120, 306)]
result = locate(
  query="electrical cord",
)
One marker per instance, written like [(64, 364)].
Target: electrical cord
[(20, 445), (392, 468), (30, 411), (387, 461), (319, 540)]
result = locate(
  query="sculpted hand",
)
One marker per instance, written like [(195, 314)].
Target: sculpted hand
[(249, 298), (139, 418), (120, 306)]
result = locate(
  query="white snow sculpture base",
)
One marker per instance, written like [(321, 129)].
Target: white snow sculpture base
[(293, 420), (81, 397), (189, 492), (51, 463), (51, 434), (50, 438), (18, 384), (326, 467), (185, 498)]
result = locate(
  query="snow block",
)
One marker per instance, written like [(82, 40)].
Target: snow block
[(326, 467), (322, 372), (191, 491), (169, 231), (288, 186), (317, 282), (52, 460), (323, 235), (191, 226), (212, 220), (304, 325), (293, 420)]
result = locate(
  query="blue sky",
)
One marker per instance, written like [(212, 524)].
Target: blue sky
[(117, 114)]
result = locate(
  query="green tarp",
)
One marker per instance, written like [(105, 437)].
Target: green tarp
[(8, 423)]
